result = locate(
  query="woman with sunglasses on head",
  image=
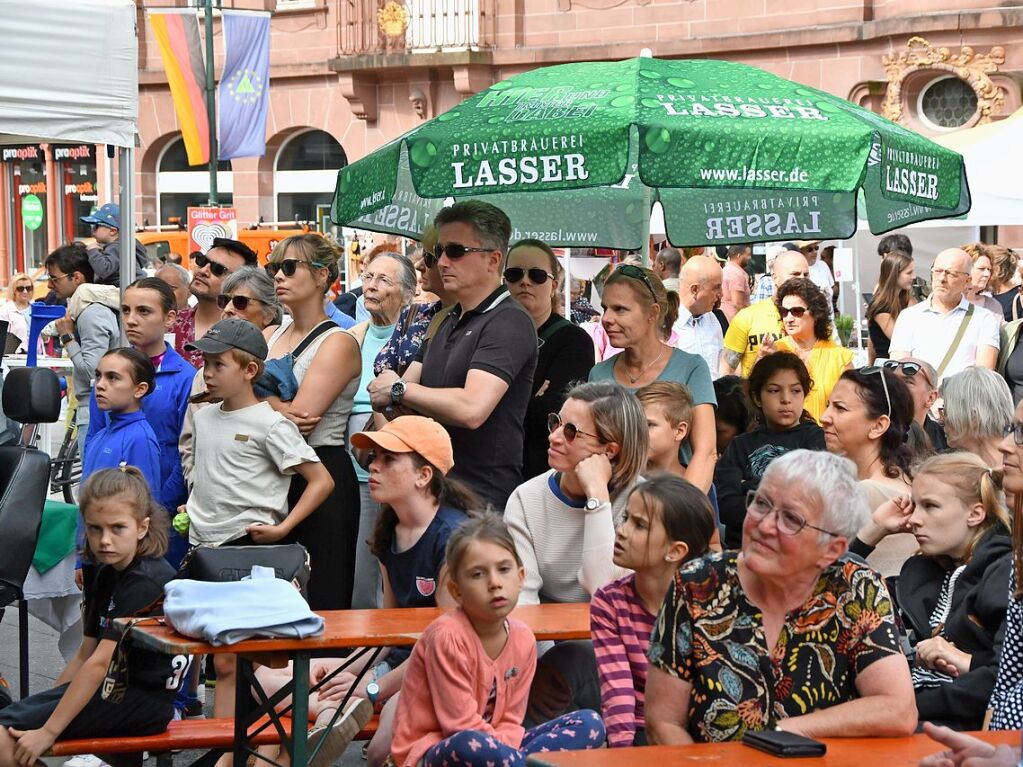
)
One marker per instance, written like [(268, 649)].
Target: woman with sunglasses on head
[(563, 524), (566, 350), (782, 634), (867, 420), (638, 315), (17, 312), (327, 370), (246, 294), (805, 316), (892, 294)]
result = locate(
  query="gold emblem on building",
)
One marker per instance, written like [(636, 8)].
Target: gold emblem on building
[(975, 69), (393, 19)]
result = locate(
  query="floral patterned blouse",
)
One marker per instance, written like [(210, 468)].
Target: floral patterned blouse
[(184, 333), (709, 635), (401, 349)]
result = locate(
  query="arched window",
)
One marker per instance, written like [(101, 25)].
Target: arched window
[(180, 186), (305, 174)]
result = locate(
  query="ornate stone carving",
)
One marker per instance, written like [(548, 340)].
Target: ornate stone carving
[(393, 19), (361, 92), (968, 65)]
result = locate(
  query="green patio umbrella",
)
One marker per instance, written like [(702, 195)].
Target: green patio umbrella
[(577, 154)]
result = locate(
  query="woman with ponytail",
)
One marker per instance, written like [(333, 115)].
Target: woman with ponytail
[(952, 595)]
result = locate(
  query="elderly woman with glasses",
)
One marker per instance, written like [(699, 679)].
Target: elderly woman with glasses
[(638, 315), (327, 367), (867, 421), (563, 524), (17, 312), (784, 633), (566, 350), (806, 318)]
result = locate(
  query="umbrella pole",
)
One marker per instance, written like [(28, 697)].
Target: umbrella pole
[(857, 302), (568, 283), (645, 248)]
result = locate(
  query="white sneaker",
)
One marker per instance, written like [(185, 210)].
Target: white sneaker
[(85, 760)]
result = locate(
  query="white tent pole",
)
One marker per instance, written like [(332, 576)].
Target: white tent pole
[(126, 174), (857, 302), (568, 283)]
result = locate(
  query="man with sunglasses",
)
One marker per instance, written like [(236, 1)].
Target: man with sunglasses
[(208, 272), (760, 323), (919, 377), (475, 374), (106, 260), (946, 330)]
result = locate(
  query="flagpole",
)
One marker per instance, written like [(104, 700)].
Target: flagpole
[(211, 104)]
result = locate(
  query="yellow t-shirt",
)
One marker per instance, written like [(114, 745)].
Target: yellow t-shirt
[(748, 328), (827, 361)]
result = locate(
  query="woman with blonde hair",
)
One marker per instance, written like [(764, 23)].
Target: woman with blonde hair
[(1001, 284), (326, 363), (17, 312), (953, 594)]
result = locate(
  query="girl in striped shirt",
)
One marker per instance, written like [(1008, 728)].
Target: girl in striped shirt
[(667, 522)]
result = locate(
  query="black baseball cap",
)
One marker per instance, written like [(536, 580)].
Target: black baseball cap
[(238, 248), (231, 334)]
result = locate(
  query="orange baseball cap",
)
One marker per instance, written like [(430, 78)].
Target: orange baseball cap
[(411, 434)]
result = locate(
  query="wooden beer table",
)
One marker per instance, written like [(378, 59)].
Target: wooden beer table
[(842, 752), (361, 633)]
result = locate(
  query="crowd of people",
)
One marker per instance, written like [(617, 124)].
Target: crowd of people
[(769, 536)]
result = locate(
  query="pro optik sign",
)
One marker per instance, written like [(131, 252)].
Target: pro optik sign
[(21, 153)]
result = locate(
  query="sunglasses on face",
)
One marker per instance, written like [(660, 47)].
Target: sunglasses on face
[(289, 266), (570, 430), (241, 303), (23, 289), (216, 268), (880, 371), (638, 274), (795, 311), (454, 251), (515, 274)]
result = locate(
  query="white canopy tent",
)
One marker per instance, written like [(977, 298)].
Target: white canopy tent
[(69, 72)]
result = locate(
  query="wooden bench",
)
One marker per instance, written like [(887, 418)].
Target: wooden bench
[(184, 734)]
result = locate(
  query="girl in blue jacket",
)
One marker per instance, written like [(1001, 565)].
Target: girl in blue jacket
[(123, 378), (148, 313)]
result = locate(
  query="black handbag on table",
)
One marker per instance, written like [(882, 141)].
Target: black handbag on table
[(222, 564)]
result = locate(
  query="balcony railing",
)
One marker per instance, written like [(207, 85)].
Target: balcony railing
[(430, 26)]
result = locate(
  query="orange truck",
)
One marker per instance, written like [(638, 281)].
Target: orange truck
[(161, 244)]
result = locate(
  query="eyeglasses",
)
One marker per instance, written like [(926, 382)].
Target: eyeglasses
[(241, 303), (368, 279), (217, 268), (1016, 430), (515, 274), (23, 289), (453, 250), (789, 522), (908, 369), (810, 247), (880, 371), (638, 274), (950, 273), (289, 266), (571, 431), (795, 311), (54, 277)]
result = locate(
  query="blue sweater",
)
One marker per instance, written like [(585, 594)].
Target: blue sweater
[(164, 408)]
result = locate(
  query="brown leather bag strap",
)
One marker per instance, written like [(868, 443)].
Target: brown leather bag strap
[(955, 341)]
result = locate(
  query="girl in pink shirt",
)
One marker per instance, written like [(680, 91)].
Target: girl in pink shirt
[(667, 522), (465, 691)]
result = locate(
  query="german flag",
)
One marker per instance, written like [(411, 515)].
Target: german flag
[(177, 34)]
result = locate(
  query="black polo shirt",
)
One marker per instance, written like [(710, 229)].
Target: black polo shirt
[(498, 336)]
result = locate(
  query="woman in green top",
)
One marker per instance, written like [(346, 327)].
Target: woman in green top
[(638, 315)]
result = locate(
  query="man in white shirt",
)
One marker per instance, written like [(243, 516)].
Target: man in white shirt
[(697, 328), (666, 265), (820, 273), (928, 329)]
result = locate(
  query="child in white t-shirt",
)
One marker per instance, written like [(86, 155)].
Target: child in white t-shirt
[(245, 454)]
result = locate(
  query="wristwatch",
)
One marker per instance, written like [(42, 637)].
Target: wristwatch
[(66, 338), (372, 692), (398, 391), (592, 504)]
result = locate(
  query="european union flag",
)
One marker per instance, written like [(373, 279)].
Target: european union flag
[(244, 90)]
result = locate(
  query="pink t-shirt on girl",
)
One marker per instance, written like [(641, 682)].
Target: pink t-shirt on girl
[(449, 680)]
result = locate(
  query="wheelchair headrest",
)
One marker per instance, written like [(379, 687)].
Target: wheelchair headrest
[(32, 395)]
